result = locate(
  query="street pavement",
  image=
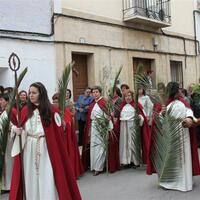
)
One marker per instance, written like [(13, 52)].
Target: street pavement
[(129, 184)]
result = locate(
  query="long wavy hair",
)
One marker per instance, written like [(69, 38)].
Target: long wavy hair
[(172, 90), (44, 104)]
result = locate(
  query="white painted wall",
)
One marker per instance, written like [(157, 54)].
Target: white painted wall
[(198, 26), (39, 58), (58, 6), (182, 17), (26, 15), (31, 16)]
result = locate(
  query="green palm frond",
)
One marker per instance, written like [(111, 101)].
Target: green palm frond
[(102, 122), (4, 129), (62, 88), (5, 122), (111, 94), (167, 148), (140, 80)]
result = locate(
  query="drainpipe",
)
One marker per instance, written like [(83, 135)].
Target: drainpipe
[(195, 30), (184, 45)]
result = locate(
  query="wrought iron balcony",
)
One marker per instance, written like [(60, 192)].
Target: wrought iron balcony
[(149, 12)]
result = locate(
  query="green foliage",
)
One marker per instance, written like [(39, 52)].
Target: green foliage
[(5, 122), (167, 146), (103, 122), (4, 129), (140, 81), (62, 88)]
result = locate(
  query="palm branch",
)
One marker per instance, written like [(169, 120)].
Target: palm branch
[(5, 123), (62, 88), (167, 146), (140, 80), (103, 122)]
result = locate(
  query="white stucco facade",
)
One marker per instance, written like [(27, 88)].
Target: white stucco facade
[(39, 58), (28, 16)]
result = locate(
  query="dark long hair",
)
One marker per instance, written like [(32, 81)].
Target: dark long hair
[(172, 90), (44, 104)]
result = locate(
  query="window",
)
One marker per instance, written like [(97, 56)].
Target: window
[(176, 72)]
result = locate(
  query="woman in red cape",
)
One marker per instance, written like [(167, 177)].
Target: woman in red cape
[(144, 128), (99, 106), (194, 147), (63, 176), (71, 139), (174, 96), (113, 147), (72, 144)]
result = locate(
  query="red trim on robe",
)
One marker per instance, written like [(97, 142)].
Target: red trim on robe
[(86, 137), (72, 145), (144, 130), (63, 174), (113, 147), (193, 142)]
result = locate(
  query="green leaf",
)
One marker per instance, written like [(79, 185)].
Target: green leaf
[(62, 88), (167, 148), (102, 121), (5, 122)]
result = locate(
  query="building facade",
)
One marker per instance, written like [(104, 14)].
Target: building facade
[(100, 36), (113, 33), (26, 29)]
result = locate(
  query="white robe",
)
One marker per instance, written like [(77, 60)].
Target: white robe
[(97, 151), (147, 105), (8, 163), (39, 178), (126, 145), (185, 182)]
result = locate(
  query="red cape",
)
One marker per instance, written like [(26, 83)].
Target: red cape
[(144, 130), (193, 142), (72, 145), (113, 147), (64, 177)]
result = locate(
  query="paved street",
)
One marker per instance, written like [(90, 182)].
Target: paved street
[(129, 184)]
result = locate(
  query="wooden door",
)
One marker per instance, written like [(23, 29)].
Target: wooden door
[(146, 63), (80, 76)]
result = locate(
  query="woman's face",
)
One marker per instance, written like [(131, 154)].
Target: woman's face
[(22, 96), (3, 103), (140, 91), (67, 95), (96, 94), (128, 97), (34, 95)]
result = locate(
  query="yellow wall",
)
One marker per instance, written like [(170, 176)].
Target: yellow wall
[(181, 12)]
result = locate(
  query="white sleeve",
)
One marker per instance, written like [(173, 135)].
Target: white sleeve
[(141, 120)]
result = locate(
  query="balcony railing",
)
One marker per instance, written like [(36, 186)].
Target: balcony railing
[(154, 11)]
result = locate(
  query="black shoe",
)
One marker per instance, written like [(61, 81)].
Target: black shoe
[(135, 166), (5, 191)]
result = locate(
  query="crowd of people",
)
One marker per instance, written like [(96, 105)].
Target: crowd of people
[(50, 152)]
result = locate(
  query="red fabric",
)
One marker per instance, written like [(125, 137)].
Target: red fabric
[(156, 109), (64, 177), (72, 145), (144, 130), (193, 142), (86, 147), (113, 147)]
